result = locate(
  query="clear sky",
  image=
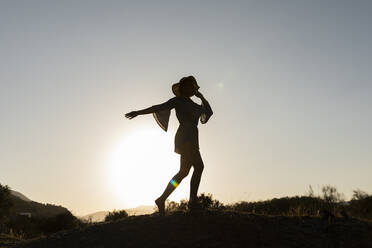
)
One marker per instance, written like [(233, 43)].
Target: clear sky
[(290, 84)]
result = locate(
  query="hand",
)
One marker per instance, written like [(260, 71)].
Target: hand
[(198, 94), (131, 115)]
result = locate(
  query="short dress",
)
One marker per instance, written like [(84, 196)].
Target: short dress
[(188, 114)]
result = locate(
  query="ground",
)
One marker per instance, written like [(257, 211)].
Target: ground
[(212, 229)]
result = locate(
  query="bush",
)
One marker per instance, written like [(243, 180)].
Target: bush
[(205, 201), (293, 206), (59, 222), (360, 205), (172, 206), (116, 215), (359, 195)]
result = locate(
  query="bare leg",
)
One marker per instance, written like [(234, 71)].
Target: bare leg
[(174, 182), (196, 176)]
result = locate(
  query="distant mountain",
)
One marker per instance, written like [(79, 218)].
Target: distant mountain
[(95, 217), (22, 204), (100, 216), (19, 195), (140, 210)]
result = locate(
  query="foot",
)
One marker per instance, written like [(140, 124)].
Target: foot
[(161, 206)]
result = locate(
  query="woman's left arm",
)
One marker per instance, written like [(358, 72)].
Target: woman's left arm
[(155, 108)]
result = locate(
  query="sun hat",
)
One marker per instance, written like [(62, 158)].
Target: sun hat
[(190, 80)]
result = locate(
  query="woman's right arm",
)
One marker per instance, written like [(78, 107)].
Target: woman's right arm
[(207, 110), (168, 105)]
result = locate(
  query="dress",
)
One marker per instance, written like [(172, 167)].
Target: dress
[(188, 114)]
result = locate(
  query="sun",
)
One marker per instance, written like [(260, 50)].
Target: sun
[(140, 166)]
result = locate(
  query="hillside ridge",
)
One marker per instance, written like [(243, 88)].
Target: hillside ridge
[(214, 228), (36, 209)]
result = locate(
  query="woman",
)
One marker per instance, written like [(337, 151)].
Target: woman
[(186, 140)]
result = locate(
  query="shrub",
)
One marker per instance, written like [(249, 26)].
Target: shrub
[(59, 222), (359, 195), (360, 205), (332, 199), (172, 206), (331, 195), (293, 206), (205, 201), (116, 215)]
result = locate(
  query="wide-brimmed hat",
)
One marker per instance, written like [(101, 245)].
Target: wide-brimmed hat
[(176, 88)]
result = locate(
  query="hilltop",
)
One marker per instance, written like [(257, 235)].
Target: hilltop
[(22, 204), (20, 195), (213, 228)]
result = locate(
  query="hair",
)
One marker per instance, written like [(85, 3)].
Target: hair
[(187, 86)]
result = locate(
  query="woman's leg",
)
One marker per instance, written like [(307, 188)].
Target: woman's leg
[(196, 175), (174, 182)]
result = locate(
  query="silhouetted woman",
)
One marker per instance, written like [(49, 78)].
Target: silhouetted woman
[(187, 139)]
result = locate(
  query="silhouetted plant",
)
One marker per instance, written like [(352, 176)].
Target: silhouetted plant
[(331, 195), (116, 215), (331, 202), (205, 201), (360, 205), (359, 195), (5, 202), (332, 199), (310, 193), (172, 206), (293, 206), (60, 222)]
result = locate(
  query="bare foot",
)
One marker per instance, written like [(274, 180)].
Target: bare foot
[(161, 206)]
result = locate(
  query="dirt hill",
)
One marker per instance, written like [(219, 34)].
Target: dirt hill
[(213, 229)]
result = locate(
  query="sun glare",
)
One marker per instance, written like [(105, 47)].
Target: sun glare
[(140, 166)]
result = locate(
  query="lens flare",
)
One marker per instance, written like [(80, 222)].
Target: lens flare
[(174, 183)]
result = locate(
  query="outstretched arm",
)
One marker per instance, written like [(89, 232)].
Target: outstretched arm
[(156, 108)]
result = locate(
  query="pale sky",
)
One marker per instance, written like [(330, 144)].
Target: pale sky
[(290, 84)]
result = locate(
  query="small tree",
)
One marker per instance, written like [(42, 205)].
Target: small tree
[(5, 202), (331, 195), (116, 215), (331, 198), (359, 195), (310, 192)]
